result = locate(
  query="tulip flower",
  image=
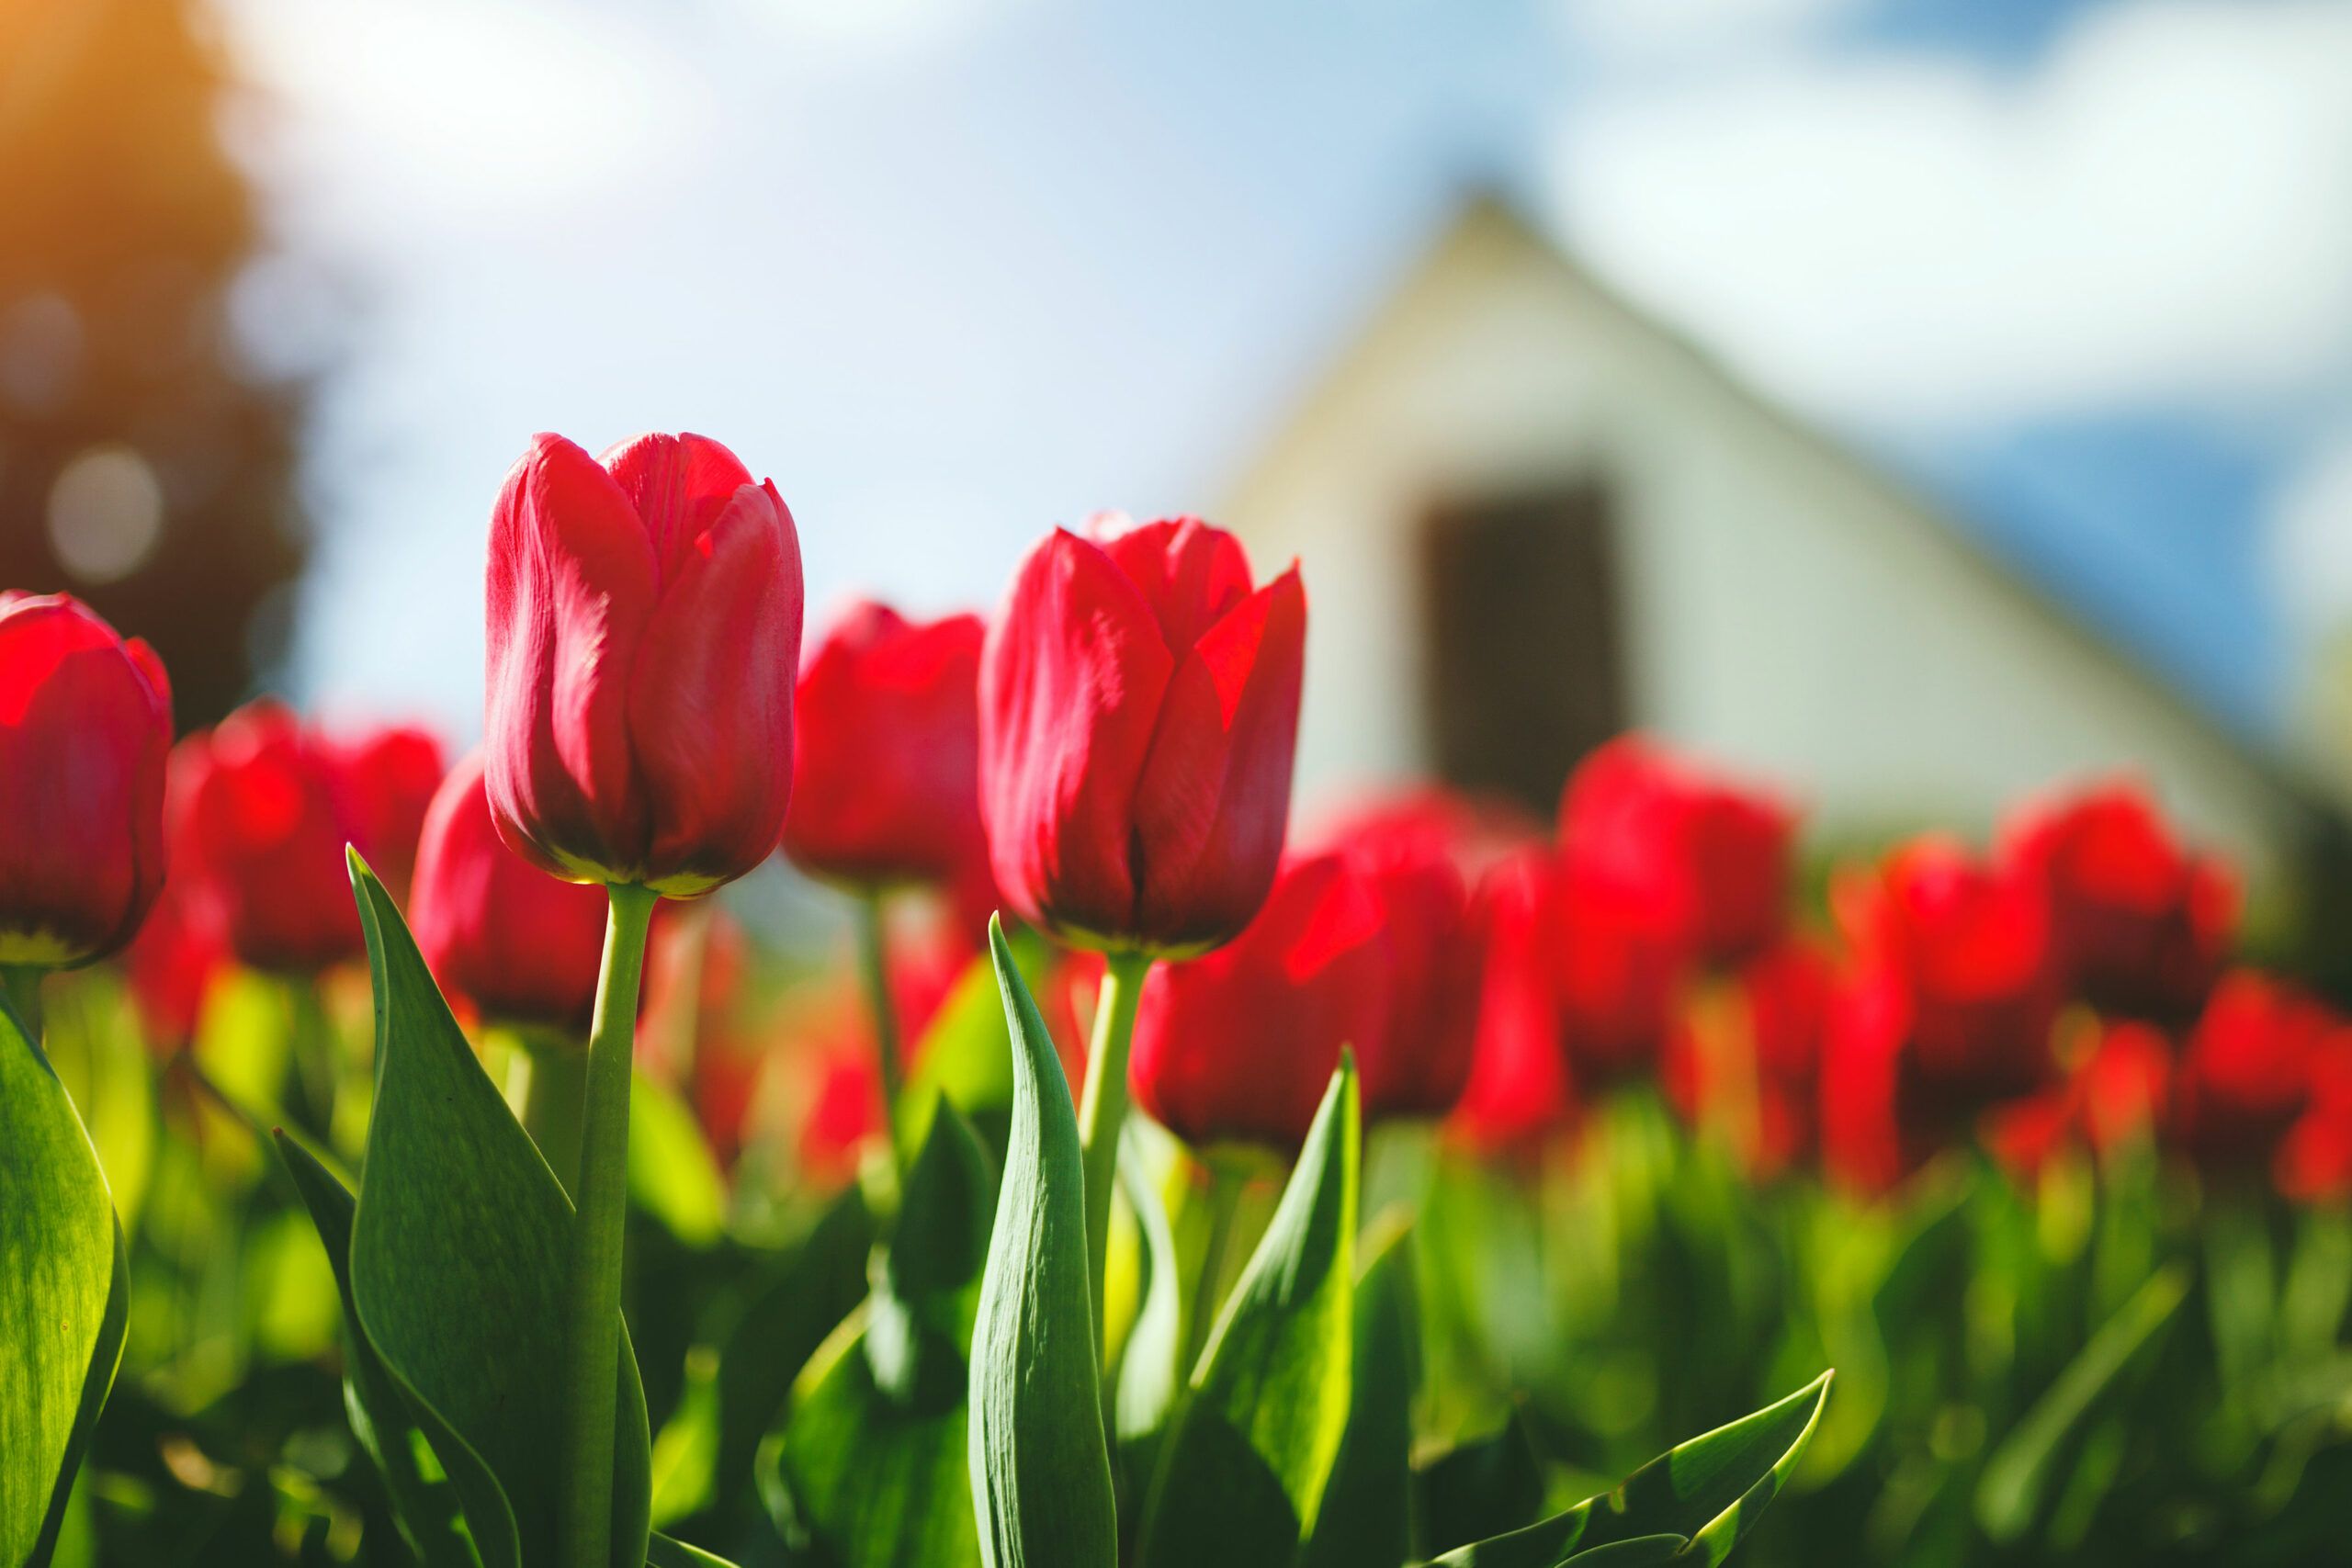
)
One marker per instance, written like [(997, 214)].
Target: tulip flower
[(85, 724), (885, 752), (261, 814), (2249, 1069), (1702, 860), (1138, 706), (389, 778), (1616, 977), (1519, 1086), (1758, 1075), (1138, 712), (644, 622), (643, 629), (522, 946), (2142, 925), (1237, 1048)]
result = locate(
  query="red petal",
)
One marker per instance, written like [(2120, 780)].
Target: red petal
[(678, 485), (1191, 574)]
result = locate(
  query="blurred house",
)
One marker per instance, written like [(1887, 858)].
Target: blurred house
[(1535, 517)]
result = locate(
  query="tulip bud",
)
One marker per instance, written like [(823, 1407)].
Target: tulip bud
[(1138, 712), (644, 623), (2249, 1069), (85, 724), (2142, 925), (885, 782), (1519, 1087), (522, 946), (1238, 1046)]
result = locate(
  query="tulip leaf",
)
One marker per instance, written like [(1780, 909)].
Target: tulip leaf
[(1488, 1484), (1365, 1521), (425, 1509), (64, 1296), (1242, 1477), (662, 1552), (1040, 1470), (1705, 1493), (1151, 1375), (870, 1466), (821, 1284), (461, 1248), (2010, 1492)]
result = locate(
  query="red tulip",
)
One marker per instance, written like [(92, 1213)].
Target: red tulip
[(1519, 1087), (2141, 924), (885, 762), (1419, 1060), (644, 623), (85, 723), (1238, 1046), (2314, 1161), (1758, 1075), (1616, 978), (522, 946), (1138, 710), (2249, 1069), (389, 778), (1697, 857)]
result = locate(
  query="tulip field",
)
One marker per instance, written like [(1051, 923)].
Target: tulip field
[(410, 1157)]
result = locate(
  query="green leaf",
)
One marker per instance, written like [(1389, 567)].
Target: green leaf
[(2010, 1493), (425, 1509), (65, 1297), (1366, 1517), (871, 1465), (821, 1284), (1489, 1484), (672, 1174), (662, 1552), (1244, 1471), (1151, 1376), (459, 1251), (1040, 1472), (1709, 1489)]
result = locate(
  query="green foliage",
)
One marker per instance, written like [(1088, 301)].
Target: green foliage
[(1151, 1378), (1488, 1484), (460, 1248), (1366, 1517), (1260, 1425), (1690, 1505), (1040, 1472), (672, 1175), (64, 1295)]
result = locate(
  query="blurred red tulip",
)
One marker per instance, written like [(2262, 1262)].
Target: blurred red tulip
[(260, 818), (1238, 1046), (885, 762), (1519, 1087), (1138, 711), (522, 946), (644, 625), (1697, 857), (1616, 978), (2314, 1161), (85, 724), (388, 777), (171, 965), (2141, 924), (2250, 1069), (1757, 1071)]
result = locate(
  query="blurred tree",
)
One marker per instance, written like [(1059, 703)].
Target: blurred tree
[(146, 459)]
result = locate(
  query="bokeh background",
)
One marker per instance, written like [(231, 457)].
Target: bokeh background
[(285, 287)]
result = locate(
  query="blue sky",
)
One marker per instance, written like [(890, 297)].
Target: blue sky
[(953, 270)]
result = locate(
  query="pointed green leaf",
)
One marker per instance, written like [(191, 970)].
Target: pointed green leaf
[(425, 1509), (871, 1465), (1151, 1377), (1243, 1475), (1710, 1490), (2010, 1492), (662, 1552), (1366, 1517), (64, 1298), (459, 1252), (1040, 1470), (1640, 1551)]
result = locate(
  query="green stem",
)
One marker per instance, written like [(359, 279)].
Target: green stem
[(1225, 1181), (592, 1342), (555, 1090), (22, 983), (1103, 1110), (873, 965)]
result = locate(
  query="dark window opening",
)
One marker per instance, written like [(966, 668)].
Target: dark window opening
[(1526, 669)]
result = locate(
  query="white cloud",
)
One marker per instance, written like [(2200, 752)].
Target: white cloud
[(2163, 210)]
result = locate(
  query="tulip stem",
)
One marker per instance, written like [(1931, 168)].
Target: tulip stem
[(874, 963), (1226, 1180), (594, 1329), (1104, 1108), (22, 982)]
